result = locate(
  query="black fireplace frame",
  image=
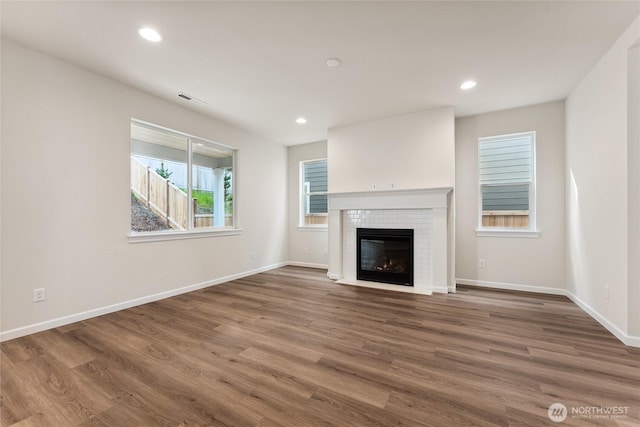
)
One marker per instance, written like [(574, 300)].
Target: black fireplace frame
[(404, 279)]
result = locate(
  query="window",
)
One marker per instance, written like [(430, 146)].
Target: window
[(179, 183), (313, 193), (506, 178)]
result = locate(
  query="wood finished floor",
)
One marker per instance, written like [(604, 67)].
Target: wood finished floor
[(292, 348)]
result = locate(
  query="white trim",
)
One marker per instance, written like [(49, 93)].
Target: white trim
[(159, 236), (321, 227), (308, 265), (512, 286), (508, 232), (154, 126), (333, 276), (418, 198), (65, 320), (626, 339), (629, 340)]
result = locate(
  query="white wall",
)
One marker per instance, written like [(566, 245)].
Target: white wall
[(535, 264), (408, 151), (65, 196), (633, 191), (307, 247), (598, 141)]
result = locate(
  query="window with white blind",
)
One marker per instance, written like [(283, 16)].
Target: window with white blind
[(506, 179), (313, 193)]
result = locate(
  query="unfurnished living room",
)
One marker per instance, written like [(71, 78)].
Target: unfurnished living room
[(311, 213)]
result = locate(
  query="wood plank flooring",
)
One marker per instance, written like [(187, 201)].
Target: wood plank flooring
[(292, 348)]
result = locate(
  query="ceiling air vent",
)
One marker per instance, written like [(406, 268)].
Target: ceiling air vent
[(191, 98)]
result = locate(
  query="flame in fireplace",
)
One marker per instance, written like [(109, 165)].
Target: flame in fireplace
[(389, 265)]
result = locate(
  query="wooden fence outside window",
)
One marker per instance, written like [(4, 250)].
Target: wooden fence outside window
[(159, 195), (165, 199), (505, 219)]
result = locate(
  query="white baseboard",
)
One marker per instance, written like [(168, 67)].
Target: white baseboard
[(626, 339), (66, 320), (629, 340), (512, 287), (308, 265), (440, 289)]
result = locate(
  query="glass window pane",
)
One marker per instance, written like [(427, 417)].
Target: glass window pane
[(505, 159), (178, 182), (506, 171), (317, 204), (158, 179), (505, 197), (505, 206), (314, 187), (211, 185), (315, 174)]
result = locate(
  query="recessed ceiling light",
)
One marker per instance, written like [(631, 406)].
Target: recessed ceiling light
[(150, 34), (469, 84), (301, 120), (333, 62)]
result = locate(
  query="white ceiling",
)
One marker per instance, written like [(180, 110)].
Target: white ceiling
[(260, 65)]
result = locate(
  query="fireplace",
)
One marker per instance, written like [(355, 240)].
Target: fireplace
[(385, 255), (427, 211)]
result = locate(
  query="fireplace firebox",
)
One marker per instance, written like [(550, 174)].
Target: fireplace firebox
[(385, 255)]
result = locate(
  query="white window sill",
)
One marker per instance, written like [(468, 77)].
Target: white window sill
[(313, 228), (507, 232), (159, 236)]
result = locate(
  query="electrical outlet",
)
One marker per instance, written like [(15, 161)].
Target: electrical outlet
[(482, 263), (38, 295), (606, 292), (253, 255), (306, 250)]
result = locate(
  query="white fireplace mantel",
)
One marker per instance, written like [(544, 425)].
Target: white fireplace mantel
[(428, 211), (425, 198)]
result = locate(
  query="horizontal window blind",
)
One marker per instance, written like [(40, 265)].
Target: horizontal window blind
[(505, 160)]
